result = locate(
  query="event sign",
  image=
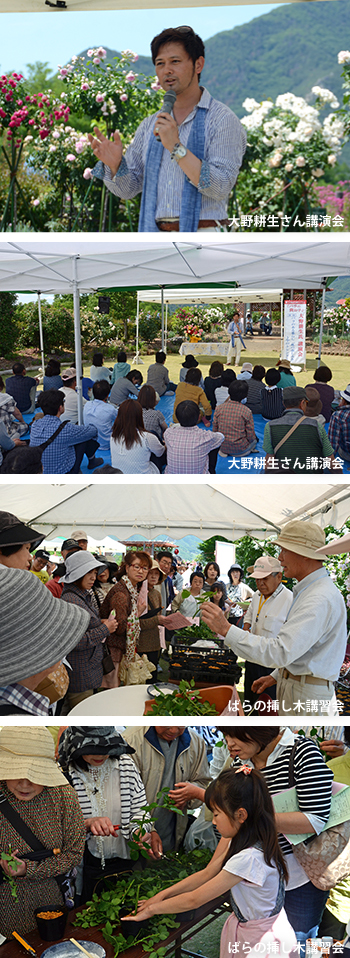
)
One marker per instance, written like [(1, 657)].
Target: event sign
[(294, 331)]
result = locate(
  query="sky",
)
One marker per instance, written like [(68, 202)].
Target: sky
[(55, 36)]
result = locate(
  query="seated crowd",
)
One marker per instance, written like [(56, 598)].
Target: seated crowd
[(104, 797), (211, 416)]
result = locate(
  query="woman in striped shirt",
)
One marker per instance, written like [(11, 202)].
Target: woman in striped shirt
[(269, 749), (97, 762)]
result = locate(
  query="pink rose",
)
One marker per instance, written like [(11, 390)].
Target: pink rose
[(130, 77), (84, 86), (90, 53), (100, 98), (70, 157), (96, 61), (123, 97), (87, 173)]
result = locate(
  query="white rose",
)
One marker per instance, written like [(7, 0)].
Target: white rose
[(332, 159), (288, 167), (344, 56)]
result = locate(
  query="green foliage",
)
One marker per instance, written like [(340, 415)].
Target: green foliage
[(148, 815), (122, 896), (14, 865), (194, 632), (8, 324), (57, 322), (184, 702)]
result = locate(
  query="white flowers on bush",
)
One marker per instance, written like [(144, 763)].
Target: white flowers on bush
[(344, 56), (325, 96)]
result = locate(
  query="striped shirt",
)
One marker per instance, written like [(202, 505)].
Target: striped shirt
[(225, 143), (271, 402), (313, 782), (126, 777)]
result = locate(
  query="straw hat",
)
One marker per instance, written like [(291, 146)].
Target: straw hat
[(30, 756), (162, 575), (303, 538), (284, 363), (264, 566), (13, 532), (336, 547), (79, 563), (36, 630)]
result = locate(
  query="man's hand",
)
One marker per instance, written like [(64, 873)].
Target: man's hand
[(333, 747), (167, 130), (154, 842), (184, 792), (109, 151), (263, 683), (214, 617)]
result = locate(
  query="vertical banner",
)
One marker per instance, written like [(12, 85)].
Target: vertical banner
[(294, 331), (224, 556)]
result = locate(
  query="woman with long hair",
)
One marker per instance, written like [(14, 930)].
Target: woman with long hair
[(248, 862), (131, 445)]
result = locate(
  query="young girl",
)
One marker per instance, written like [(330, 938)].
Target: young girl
[(247, 860)]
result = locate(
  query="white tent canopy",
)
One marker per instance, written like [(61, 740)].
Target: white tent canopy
[(150, 509), (84, 265), (198, 297), (41, 6)]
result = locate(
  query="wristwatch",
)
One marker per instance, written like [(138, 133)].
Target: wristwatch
[(178, 152)]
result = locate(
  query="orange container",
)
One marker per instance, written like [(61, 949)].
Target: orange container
[(218, 695)]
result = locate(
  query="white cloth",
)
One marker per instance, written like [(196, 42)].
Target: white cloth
[(256, 894), (137, 459), (70, 405), (221, 394), (312, 641)]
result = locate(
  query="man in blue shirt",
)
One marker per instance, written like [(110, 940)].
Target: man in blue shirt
[(22, 388), (64, 453), (101, 413)]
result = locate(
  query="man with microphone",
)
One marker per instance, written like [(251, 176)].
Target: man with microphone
[(185, 159)]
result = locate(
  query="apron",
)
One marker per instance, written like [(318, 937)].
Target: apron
[(262, 936)]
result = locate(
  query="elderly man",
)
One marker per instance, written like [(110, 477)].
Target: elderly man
[(267, 612), (169, 757), (186, 161), (296, 438), (308, 651)]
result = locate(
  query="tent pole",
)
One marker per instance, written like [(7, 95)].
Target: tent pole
[(282, 323), (41, 338), (162, 301), (136, 357), (324, 284), (166, 325), (77, 338)]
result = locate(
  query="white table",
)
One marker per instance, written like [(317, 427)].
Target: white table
[(127, 700), (204, 349)]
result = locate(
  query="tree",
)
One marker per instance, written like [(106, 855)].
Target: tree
[(8, 323)]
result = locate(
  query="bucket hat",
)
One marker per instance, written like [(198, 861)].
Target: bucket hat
[(314, 402), (345, 393), (36, 630), (264, 566), (303, 538), (80, 740), (30, 756), (336, 547), (78, 564), (68, 374), (13, 532), (190, 362), (247, 367)]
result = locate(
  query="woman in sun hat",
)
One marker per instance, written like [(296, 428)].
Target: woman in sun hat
[(36, 633), (86, 657), (286, 375), (97, 761), (34, 788)]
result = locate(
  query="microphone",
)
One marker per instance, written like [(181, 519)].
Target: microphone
[(167, 105)]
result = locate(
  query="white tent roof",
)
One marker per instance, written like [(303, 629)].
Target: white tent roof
[(175, 510), (32, 264), (38, 6), (213, 296)]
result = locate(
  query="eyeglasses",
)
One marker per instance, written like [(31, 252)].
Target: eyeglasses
[(140, 568)]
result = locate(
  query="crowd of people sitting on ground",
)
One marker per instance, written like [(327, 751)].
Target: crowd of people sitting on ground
[(306, 428), (103, 796), (91, 624)]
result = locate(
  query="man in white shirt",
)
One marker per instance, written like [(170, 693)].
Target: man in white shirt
[(267, 612), (236, 340), (309, 649)]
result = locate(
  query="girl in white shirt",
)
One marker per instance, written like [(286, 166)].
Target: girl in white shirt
[(248, 860)]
